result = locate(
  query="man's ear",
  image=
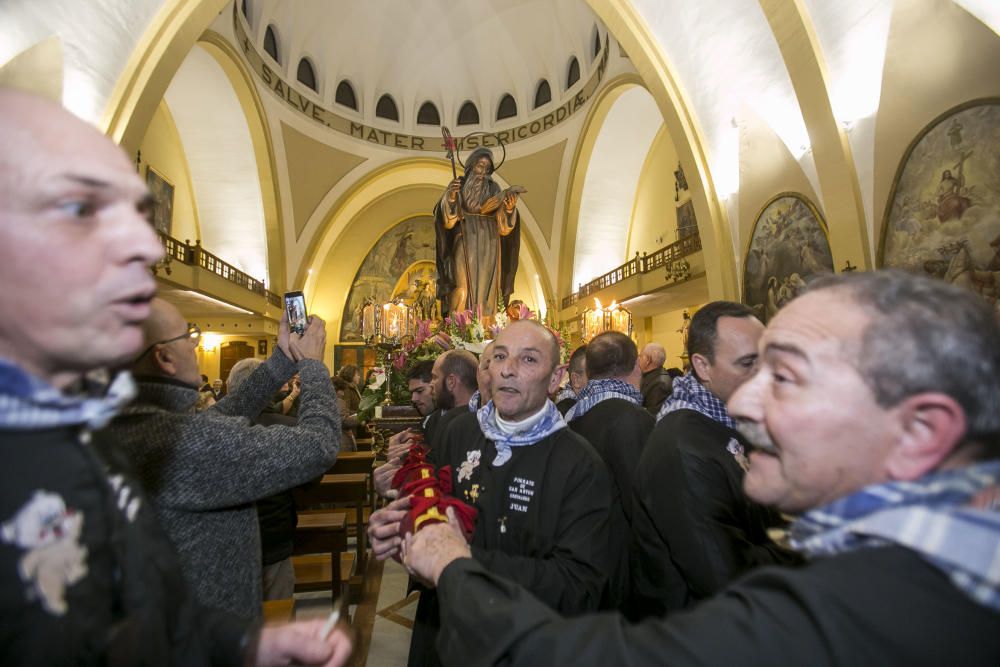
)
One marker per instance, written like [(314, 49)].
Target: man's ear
[(556, 379), (932, 425), (702, 366), (165, 359)]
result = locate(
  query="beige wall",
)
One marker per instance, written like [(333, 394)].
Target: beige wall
[(654, 216), (162, 150), (664, 329)]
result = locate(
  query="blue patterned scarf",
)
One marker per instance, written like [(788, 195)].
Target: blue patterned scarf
[(550, 422), (597, 391), (474, 401), (690, 394), (931, 516), (28, 403)]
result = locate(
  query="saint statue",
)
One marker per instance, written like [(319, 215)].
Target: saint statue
[(478, 239)]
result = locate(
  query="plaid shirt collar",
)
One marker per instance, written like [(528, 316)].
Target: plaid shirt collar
[(690, 394)]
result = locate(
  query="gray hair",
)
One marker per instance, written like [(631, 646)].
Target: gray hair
[(926, 335), (240, 371)]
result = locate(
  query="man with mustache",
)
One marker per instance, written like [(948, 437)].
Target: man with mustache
[(875, 417), (693, 528), (541, 491), (478, 239)]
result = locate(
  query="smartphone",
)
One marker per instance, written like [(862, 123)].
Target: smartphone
[(295, 307)]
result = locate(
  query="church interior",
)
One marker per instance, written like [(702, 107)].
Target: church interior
[(668, 154)]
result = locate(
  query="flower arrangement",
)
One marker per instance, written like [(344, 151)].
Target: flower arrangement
[(462, 330)]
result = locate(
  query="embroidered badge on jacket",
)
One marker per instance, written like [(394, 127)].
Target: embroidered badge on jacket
[(469, 464), (53, 559), (736, 449)]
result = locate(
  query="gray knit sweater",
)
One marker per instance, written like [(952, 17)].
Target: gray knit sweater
[(203, 471)]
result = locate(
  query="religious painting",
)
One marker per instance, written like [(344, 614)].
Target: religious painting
[(788, 249), (943, 214), (162, 192), (687, 225), (404, 253)]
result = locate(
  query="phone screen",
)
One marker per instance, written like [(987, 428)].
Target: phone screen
[(295, 307)]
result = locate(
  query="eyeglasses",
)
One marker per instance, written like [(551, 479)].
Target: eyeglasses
[(193, 334)]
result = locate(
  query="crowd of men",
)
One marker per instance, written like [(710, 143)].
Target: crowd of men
[(131, 527)]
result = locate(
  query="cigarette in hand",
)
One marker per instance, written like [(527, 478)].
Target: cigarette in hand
[(330, 623)]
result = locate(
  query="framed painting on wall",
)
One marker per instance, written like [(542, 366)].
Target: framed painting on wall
[(942, 217), (788, 247), (163, 200)]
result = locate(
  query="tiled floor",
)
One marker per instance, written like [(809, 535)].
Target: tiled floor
[(390, 641), (390, 634)]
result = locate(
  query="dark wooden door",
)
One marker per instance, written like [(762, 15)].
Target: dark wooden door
[(230, 354)]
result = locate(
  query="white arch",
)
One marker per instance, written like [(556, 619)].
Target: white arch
[(220, 154), (609, 187)]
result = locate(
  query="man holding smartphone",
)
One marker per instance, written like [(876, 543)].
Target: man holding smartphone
[(86, 574), (204, 471)]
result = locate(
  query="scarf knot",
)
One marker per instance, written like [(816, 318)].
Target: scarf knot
[(598, 391), (549, 422), (690, 394), (931, 516)]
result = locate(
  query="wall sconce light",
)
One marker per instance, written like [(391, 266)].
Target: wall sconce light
[(210, 342)]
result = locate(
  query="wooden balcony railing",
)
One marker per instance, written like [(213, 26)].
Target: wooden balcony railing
[(194, 255), (645, 263)]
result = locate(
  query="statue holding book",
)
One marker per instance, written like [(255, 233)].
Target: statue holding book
[(478, 238)]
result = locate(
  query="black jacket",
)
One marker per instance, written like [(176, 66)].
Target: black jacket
[(693, 528), (655, 386), (618, 430), (101, 584), (543, 520), (880, 606)]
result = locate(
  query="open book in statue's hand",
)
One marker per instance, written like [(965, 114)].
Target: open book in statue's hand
[(493, 203)]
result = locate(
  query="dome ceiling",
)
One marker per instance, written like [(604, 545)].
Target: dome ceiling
[(440, 51)]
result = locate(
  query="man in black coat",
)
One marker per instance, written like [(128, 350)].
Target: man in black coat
[(453, 382), (541, 491), (656, 381), (577, 369), (874, 417), (694, 530), (608, 414)]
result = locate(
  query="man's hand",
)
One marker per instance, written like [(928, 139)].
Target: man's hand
[(301, 644), (383, 528), (400, 444), (283, 332), (383, 478), (453, 188), (312, 343), (427, 553)]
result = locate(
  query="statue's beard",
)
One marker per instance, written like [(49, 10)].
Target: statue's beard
[(475, 191)]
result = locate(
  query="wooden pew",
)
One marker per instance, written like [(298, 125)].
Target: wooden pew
[(354, 463), (350, 490), (320, 555), (279, 612)]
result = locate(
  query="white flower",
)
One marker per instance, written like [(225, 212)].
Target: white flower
[(478, 333), (476, 347), (378, 378)]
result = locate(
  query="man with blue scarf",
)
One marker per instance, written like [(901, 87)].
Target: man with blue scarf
[(609, 414), (875, 417), (694, 529), (542, 493), (86, 575)]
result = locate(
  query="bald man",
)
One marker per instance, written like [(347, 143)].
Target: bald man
[(656, 383), (86, 574), (204, 471), (541, 491)]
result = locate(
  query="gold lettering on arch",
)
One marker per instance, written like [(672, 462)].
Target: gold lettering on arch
[(309, 109)]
